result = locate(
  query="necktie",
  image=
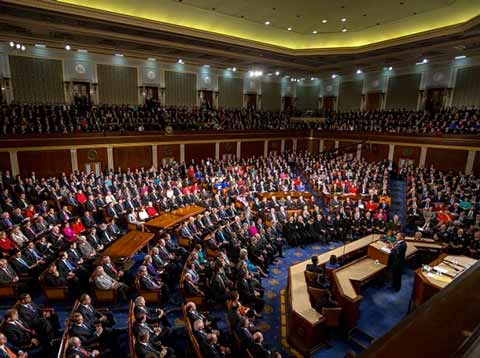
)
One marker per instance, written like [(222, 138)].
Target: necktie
[(69, 265), (10, 354), (22, 261), (19, 324)]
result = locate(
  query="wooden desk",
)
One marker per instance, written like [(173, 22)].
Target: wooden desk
[(128, 245), (376, 250), (305, 328), (168, 220), (426, 284)]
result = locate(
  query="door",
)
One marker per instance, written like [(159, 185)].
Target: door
[(374, 101), (81, 94), (434, 99), (151, 94), (288, 104), (251, 101), (329, 103), (207, 98)]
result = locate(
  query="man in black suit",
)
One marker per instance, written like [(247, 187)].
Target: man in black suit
[(18, 332), (9, 352), (8, 275), (91, 316), (154, 315), (88, 335), (44, 321), (145, 349), (314, 266), (75, 349), (257, 349), (396, 261), (243, 333)]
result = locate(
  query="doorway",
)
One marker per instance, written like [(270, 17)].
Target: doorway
[(81, 94), (329, 103), (374, 101), (251, 101), (434, 99)]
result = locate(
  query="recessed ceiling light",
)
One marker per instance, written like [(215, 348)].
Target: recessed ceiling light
[(267, 23), (234, 69), (68, 47), (82, 50), (289, 29), (312, 79), (344, 30), (359, 71), (344, 19), (18, 46), (152, 59), (424, 61), (180, 61), (390, 68), (23, 48), (460, 57), (314, 32), (324, 21), (334, 76), (40, 45), (206, 66), (119, 54), (269, 74), (12, 44), (277, 73)]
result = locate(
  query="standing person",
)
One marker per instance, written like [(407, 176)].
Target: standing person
[(396, 261)]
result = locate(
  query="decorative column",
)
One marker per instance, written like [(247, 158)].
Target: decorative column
[(282, 146), (337, 144), (182, 152), (423, 156), (470, 162), (359, 151), (74, 159), (294, 147), (14, 163), (154, 156), (239, 149), (265, 148), (217, 150), (110, 163), (391, 150), (321, 146)]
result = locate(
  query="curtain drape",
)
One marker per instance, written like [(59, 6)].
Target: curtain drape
[(230, 92), (467, 87), (180, 89), (117, 84), (403, 91), (37, 80), (350, 95)]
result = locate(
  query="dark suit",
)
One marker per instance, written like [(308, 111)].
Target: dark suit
[(86, 334), (16, 335), (396, 262), (259, 351)]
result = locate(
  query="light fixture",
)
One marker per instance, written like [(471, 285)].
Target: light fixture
[(390, 68), (267, 22), (234, 69), (334, 76), (344, 19), (152, 59), (207, 66), (324, 21), (461, 57), (359, 72), (289, 29), (23, 48), (18, 46), (312, 79), (119, 54), (68, 47), (180, 61), (82, 50), (314, 32), (344, 30), (269, 74), (40, 45), (277, 73), (424, 61), (12, 44)]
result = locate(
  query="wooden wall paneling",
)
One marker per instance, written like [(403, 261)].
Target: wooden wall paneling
[(168, 152), (302, 145), (228, 149), (274, 146), (254, 148), (45, 162), (133, 157), (199, 151), (91, 155), (328, 145), (446, 159), (406, 152), (476, 164), (288, 145), (375, 152), (5, 162)]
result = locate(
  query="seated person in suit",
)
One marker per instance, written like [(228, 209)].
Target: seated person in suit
[(88, 335), (103, 281), (326, 301), (257, 349), (8, 352), (314, 266), (91, 316), (8, 276), (154, 315), (159, 336), (19, 333), (110, 268), (332, 263), (75, 349), (44, 321), (144, 349), (243, 333)]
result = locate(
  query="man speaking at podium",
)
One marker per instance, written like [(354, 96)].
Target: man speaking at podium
[(396, 261)]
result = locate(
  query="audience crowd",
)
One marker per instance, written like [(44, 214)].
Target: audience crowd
[(54, 230), (22, 119)]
